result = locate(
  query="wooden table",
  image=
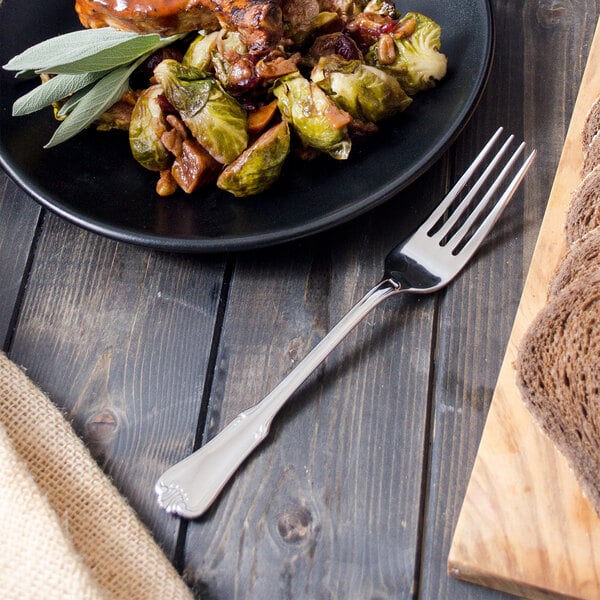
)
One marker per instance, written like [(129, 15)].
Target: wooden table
[(357, 490)]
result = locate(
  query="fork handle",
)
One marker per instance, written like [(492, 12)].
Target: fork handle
[(189, 487)]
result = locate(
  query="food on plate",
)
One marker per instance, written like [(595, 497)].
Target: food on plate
[(365, 92), (257, 167), (259, 22), (584, 211), (414, 59), (214, 118), (147, 125), (317, 120), (207, 104)]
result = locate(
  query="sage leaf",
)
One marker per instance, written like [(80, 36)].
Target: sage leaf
[(87, 51), (27, 74), (53, 90), (111, 57), (71, 102), (101, 97), (72, 47)]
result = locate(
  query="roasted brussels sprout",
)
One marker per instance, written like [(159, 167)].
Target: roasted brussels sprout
[(232, 65), (343, 7), (259, 166), (199, 52), (382, 7), (317, 120), (417, 62), (214, 118), (367, 93), (146, 127)]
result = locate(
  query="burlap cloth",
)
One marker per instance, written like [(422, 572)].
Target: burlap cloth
[(65, 530)]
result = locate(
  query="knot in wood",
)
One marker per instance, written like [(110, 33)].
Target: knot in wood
[(101, 427), (294, 525), (551, 13)]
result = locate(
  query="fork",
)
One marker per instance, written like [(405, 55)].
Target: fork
[(424, 263)]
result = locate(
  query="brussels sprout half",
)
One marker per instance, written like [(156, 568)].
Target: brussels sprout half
[(214, 118), (145, 130), (317, 120), (418, 64), (366, 92), (259, 166), (199, 52)]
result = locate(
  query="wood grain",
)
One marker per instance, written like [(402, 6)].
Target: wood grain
[(328, 507), (357, 490), (18, 221), (525, 526), (119, 338)]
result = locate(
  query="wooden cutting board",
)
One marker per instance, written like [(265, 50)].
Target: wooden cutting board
[(525, 526)]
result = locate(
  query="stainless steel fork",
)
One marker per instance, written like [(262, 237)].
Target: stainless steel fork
[(424, 263)]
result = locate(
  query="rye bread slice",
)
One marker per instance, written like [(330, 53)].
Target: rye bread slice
[(559, 376), (591, 124), (583, 214), (581, 261), (591, 155)]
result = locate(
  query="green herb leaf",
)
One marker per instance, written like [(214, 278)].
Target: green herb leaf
[(87, 51), (111, 57), (76, 46), (92, 69), (56, 88), (71, 102), (101, 97), (28, 74)]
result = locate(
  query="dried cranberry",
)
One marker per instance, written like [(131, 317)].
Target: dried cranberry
[(347, 48), (165, 106), (389, 27), (335, 43)]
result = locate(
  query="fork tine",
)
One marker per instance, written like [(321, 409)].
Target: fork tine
[(471, 246), (459, 235), (451, 196), (468, 199)]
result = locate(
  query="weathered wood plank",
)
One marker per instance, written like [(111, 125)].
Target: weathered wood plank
[(328, 506), (18, 221), (537, 58), (119, 337)]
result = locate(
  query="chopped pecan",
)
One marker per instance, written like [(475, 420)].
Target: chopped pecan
[(166, 184), (194, 167), (386, 49)]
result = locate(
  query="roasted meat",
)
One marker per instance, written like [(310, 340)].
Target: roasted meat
[(259, 22)]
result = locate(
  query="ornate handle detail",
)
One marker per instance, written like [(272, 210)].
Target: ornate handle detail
[(190, 487)]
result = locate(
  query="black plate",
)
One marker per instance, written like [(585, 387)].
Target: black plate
[(94, 182)]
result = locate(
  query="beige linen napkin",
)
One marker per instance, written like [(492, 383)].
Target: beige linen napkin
[(66, 531)]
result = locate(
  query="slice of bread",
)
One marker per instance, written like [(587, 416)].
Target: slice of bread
[(581, 260), (559, 375), (583, 214), (592, 123), (591, 155)]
